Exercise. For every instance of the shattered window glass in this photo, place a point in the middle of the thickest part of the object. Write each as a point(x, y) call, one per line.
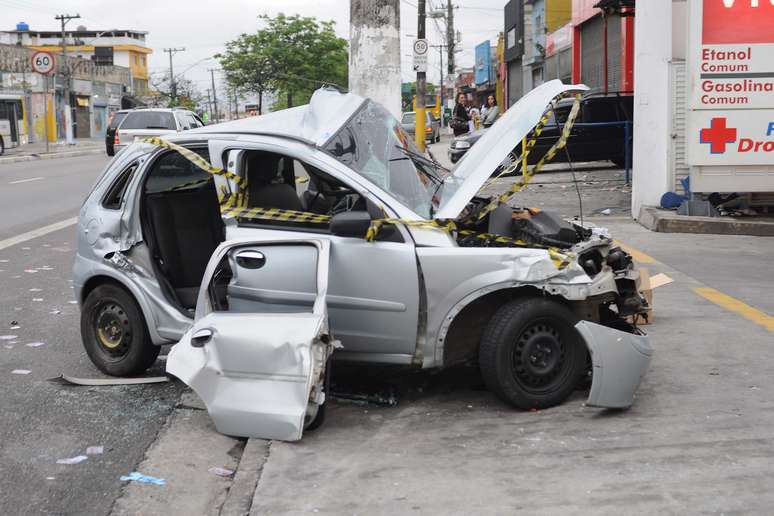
point(374, 145)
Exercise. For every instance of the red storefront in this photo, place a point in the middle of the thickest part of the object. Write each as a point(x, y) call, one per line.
point(603, 44)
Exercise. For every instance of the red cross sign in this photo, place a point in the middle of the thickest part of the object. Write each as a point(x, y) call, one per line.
point(717, 135)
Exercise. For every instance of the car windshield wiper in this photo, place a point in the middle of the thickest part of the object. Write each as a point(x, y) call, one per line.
point(425, 160)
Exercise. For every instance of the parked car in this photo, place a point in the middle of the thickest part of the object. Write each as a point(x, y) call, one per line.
point(588, 141)
point(260, 271)
point(110, 133)
point(432, 127)
point(144, 122)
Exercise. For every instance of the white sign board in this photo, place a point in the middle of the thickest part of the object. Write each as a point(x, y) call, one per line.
point(731, 70)
point(420, 55)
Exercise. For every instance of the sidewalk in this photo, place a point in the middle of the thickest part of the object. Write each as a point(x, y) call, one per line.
point(37, 150)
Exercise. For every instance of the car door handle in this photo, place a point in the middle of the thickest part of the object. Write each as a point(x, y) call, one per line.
point(201, 337)
point(251, 259)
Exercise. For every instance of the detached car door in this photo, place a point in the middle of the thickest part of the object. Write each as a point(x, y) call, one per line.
point(257, 361)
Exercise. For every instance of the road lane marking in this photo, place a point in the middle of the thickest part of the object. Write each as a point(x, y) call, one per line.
point(638, 255)
point(35, 233)
point(736, 306)
point(25, 180)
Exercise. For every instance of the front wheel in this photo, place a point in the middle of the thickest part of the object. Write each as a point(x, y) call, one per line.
point(531, 356)
point(114, 333)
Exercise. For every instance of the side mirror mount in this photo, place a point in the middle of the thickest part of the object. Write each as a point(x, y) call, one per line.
point(350, 224)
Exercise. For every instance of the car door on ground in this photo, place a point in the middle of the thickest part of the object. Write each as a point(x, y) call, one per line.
point(373, 293)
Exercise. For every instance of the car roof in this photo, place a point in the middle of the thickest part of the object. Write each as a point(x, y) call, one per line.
point(313, 123)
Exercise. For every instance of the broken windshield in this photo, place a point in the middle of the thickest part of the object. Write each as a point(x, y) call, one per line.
point(374, 145)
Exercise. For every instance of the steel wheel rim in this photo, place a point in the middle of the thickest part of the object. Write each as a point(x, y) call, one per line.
point(112, 329)
point(539, 358)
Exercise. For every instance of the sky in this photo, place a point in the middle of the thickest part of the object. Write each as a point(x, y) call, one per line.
point(203, 27)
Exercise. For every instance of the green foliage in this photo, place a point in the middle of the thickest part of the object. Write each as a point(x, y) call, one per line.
point(291, 55)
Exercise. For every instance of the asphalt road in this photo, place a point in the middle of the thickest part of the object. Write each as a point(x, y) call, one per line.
point(41, 421)
point(37, 193)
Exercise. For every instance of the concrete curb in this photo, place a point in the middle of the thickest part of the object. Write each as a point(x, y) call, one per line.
point(239, 499)
point(51, 155)
point(664, 221)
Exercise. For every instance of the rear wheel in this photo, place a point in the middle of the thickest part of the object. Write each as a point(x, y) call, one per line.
point(531, 356)
point(114, 332)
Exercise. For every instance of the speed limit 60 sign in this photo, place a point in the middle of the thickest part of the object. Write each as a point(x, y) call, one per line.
point(43, 62)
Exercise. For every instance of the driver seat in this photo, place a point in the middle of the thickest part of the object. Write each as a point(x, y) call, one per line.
point(266, 187)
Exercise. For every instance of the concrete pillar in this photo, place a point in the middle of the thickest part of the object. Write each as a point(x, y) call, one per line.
point(652, 114)
point(374, 52)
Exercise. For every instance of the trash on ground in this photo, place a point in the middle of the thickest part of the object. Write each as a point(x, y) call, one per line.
point(72, 460)
point(647, 285)
point(36, 290)
point(21, 371)
point(139, 477)
point(35, 344)
point(71, 380)
point(55, 312)
point(95, 450)
point(7, 337)
point(30, 271)
point(221, 472)
point(37, 299)
point(606, 211)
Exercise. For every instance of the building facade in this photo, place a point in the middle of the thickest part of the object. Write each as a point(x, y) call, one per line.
point(125, 48)
point(32, 101)
point(603, 45)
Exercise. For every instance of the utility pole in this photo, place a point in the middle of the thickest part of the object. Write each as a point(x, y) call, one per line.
point(68, 114)
point(440, 54)
point(419, 129)
point(374, 52)
point(450, 36)
point(172, 81)
point(214, 96)
point(209, 105)
point(236, 105)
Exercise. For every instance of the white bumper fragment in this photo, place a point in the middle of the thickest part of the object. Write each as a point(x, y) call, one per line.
point(619, 359)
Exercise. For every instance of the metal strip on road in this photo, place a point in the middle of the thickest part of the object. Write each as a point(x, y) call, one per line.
point(35, 233)
point(736, 306)
point(25, 180)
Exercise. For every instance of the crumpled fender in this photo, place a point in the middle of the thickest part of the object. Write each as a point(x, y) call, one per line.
point(619, 359)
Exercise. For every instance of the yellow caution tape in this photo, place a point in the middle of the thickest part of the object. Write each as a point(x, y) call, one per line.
point(235, 204)
point(527, 175)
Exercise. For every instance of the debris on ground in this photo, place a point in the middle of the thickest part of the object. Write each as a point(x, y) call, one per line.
point(72, 460)
point(8, 337)
point(35, 344)
point(606, 211)
point(387, 399)
point(95, 450)
point(71, 380)
point(139, 477)
point(21, 371)
point(221, 472)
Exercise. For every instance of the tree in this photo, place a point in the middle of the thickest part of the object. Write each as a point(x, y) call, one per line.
point(291, 55)
point(188, 96)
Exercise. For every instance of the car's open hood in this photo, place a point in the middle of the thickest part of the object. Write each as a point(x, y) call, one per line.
point(493, 147)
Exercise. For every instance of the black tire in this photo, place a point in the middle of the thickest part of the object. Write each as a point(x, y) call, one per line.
point(114, 333)
point(531, 356)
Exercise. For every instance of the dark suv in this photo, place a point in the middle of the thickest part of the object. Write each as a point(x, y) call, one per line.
point(590, 140)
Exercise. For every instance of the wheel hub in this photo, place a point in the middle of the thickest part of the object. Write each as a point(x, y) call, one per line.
point(538, 355)
point(113, 329)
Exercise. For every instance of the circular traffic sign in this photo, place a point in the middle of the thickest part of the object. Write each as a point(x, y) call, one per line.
point(43, 62)
point(420, 46)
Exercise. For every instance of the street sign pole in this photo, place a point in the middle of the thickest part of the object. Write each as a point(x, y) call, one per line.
point(44, 64)
point(420, 66)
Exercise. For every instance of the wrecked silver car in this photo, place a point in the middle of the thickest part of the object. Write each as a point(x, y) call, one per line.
point(262, 244)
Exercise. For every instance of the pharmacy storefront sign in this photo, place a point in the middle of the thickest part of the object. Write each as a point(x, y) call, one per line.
point(731, 101)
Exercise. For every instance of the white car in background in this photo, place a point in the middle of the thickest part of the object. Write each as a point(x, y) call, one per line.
point(144, 122)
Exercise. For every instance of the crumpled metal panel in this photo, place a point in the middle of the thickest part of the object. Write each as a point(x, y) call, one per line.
point(258, 373)
point(619, 359)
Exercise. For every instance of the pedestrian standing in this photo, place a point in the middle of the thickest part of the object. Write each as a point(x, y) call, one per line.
point(460, 118)
point(492, 111)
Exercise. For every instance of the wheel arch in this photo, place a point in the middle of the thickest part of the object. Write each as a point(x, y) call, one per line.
point(460, 334)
